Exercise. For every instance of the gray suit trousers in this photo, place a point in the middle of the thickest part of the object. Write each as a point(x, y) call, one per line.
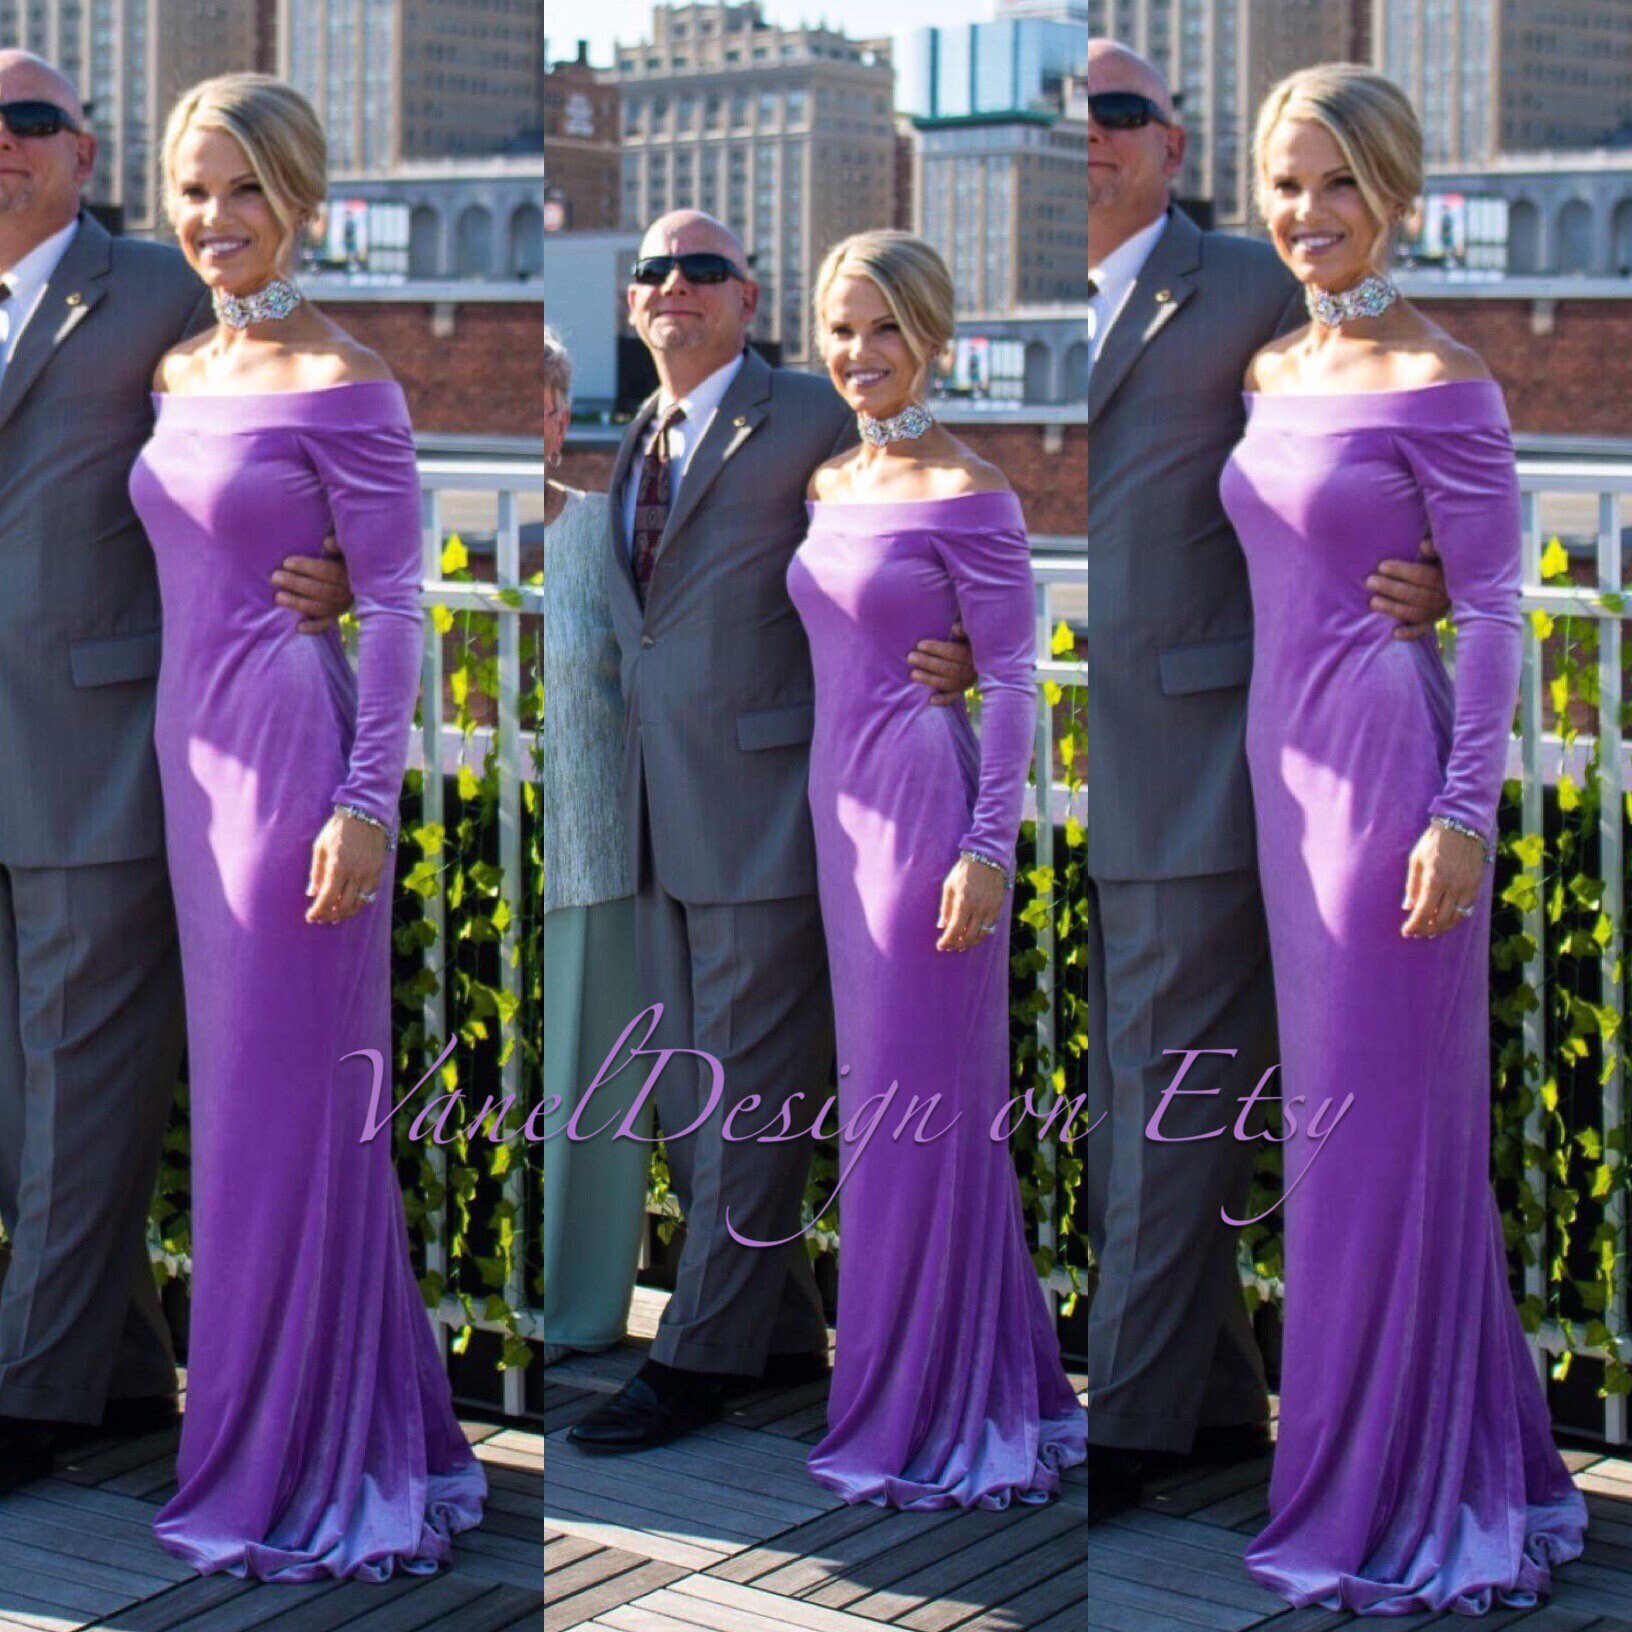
point(91, 1027)
point(1175, 963)
point(748, 984)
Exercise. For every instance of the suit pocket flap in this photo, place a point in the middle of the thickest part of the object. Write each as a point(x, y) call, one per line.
point(120, 657)
point(1212, 667)
point(775, 727)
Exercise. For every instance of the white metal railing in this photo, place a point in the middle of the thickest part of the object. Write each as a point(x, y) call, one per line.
point(1057, 579)
point(509, 486)
point(1580, 501)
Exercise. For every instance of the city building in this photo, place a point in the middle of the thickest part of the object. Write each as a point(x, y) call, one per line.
point(582, 164)
point(1221, 57)
point(1018, 59)
point(786, 134)
point(440, 219)
point(130, 60)
point(1492, 77)
point(397, 80)
point(1000, 164)
point(1004, 197)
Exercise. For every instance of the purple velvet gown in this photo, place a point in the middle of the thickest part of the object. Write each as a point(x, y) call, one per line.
point(1415, 1468)
point(319, 1438)
point(947, 1387)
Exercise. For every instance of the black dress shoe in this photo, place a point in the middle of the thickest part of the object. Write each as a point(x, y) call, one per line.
point(26, 1448)
point(1115, 1481)
point(144, 1414)
point(781, 1371)
point(1225, 1444)
point(656, 1406)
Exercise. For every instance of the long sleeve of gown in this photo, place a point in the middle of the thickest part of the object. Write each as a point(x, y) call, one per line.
point(371, 480)
point(991, 574)
point(1470, 486)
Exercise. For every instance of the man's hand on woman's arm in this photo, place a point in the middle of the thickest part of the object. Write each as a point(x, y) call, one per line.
point(943, 666)
point(1412, 591)
point(316, 587)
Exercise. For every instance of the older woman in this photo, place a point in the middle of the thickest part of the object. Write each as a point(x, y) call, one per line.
point(594, 1186)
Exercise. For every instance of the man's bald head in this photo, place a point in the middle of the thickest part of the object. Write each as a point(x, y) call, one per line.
point(24, 75)
point(1131, 166)
point(1113, 66)
point(691, 232)
point(41, 177)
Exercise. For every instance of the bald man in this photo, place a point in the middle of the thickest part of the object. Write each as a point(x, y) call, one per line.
point(90, 994)
point(1178, 951)
point(708, 506)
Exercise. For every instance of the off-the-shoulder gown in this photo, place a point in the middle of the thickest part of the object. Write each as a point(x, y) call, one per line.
point(947, 1387)
point(319, 1437)
point(1415, 1468)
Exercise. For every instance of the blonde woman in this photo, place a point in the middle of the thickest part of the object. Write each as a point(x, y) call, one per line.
point(319, 1438)
point(594, 1185)
point(1415, 1469)
point(947, 1389)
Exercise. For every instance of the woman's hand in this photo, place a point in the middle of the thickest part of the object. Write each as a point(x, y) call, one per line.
point(1445, 872)
point(348, 859)
point(973, 901)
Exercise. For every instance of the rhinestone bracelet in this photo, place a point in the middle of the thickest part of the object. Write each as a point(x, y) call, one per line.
point(1452, 825)
point(370, 821)
point(996, 866)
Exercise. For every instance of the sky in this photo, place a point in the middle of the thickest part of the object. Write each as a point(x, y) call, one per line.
point(602, 22)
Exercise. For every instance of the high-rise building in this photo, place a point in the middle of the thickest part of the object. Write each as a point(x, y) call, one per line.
point(1000, 181)
point(1491, 77)
point(417, 79)
point(130, 60)
point(1221, 57)
point(1018, 59)
point(785, 134)
point(582, 169)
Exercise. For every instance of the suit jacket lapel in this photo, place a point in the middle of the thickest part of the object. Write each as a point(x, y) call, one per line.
point(1165, 283)
point(75, 287)
point(617, 535)
point(741, 411)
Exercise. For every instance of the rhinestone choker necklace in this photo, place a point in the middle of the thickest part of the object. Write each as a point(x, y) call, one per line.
point(267, 304)
point(911, 422)
point(1370, 297)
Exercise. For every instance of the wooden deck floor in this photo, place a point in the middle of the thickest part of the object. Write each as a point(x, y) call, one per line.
point(726, 1532)
point(77, 1551)
point(1174, 1565)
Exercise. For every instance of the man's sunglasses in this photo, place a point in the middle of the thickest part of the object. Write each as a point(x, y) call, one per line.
point(1124, 110)
point(36, 118)
point(700, 268)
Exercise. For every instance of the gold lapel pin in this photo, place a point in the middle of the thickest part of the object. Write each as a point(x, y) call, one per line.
point(1163, 296)
point(75, 300)
point(740, 421)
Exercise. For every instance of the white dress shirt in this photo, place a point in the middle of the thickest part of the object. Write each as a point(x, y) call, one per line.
point(700, 405)
point(27, 281)
point(1114, 278)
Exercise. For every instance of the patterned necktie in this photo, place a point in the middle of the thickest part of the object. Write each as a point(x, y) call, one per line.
point(652, 499)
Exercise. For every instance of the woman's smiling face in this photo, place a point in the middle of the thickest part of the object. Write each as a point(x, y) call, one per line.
point(1318, 218)
point(867, 356)
point(226, 225)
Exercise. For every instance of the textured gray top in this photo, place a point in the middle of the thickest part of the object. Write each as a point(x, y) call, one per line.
point(585, 857)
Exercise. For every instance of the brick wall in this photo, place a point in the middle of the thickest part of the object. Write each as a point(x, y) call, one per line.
point(1577, 380)
point(483, 379)
point(1048, 466)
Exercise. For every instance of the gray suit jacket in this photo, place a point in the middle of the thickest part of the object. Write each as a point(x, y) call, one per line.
point(79, 616)
point(716, 670)
point(1169, 614)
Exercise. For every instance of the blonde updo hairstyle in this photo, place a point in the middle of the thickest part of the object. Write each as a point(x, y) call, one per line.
point(279, 132)
point(915, 284)
point(1375, 128)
